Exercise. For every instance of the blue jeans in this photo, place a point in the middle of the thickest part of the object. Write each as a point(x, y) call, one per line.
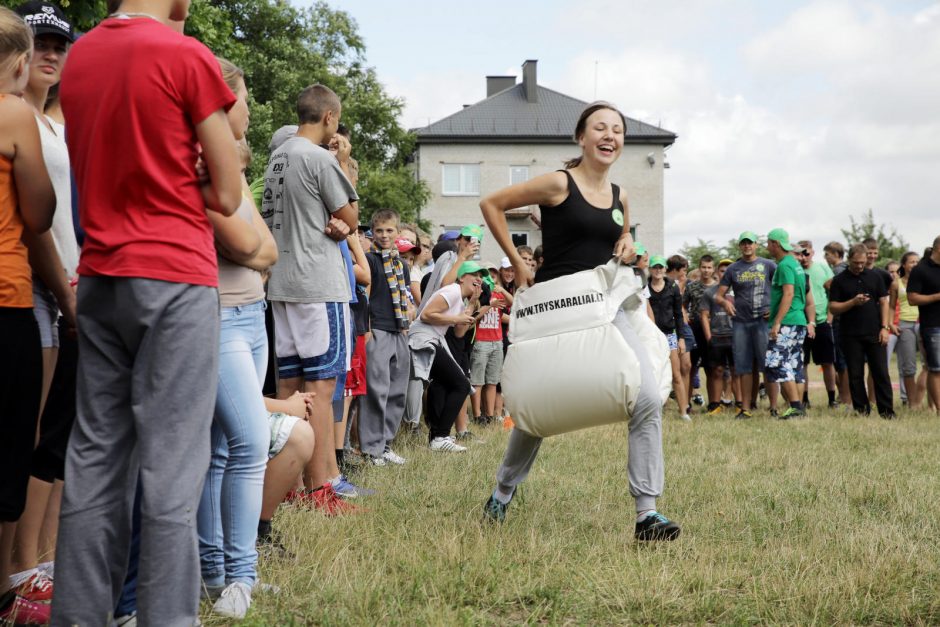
point(749, 343)
point(231, 498)
point(931, 337)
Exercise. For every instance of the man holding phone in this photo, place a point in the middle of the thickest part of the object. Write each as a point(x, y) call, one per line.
point(860, 297)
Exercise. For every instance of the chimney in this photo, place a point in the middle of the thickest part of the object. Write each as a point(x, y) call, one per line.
point(496, 84)
point(529, 85)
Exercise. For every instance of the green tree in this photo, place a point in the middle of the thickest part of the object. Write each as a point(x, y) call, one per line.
point(693, 252)
point(283, 49)
point(890, 244)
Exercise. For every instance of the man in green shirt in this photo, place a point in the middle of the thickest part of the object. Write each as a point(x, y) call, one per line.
point(821, 347)
point(789, 324)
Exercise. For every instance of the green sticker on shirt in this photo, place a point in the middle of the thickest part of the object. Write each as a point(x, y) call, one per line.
point(617, 215)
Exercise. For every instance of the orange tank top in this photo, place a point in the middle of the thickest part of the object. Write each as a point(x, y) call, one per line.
point(16, 284)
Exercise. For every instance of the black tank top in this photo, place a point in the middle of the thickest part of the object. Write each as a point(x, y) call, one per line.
point(576, 235)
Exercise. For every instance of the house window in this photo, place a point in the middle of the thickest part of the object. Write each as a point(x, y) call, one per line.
point(461, 179)
point(519, 238)
point(518, 174)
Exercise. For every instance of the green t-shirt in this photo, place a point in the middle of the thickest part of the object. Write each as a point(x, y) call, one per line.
point(789, 272)
point(819, 273)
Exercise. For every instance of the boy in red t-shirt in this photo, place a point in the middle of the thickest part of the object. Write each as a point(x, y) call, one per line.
point(486, 359)
point(140, 100)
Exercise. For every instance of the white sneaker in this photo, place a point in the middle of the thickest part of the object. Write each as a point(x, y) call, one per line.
point(265, 588)
point(393, 457)
point(447, 445)
point(234, 602)
point(685, 417)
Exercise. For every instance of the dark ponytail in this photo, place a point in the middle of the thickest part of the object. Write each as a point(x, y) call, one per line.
point(582, 125)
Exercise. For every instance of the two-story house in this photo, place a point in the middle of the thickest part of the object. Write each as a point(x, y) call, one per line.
point(522, 130)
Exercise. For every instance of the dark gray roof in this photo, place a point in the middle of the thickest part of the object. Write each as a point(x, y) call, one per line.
point(508, 117)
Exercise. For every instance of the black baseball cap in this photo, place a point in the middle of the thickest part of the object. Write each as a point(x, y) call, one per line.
point(46, 18)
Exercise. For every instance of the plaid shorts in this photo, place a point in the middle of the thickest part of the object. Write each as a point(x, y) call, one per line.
point(784, 360)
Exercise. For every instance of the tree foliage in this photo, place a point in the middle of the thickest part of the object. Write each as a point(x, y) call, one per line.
point(694, 252)
point(283, 49)
point(890, 244)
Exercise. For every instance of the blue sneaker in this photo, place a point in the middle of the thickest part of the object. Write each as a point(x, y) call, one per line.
point(347, 490)
point(494, 511)
point(656, 527)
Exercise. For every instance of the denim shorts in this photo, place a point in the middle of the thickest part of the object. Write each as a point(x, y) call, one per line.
point(785, 354)
point(749, 343)
point(689, 336)
point(673, 340)
point(931, 337)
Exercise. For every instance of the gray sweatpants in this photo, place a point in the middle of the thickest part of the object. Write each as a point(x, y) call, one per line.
point(414, 399)
point(147, 378)
point(388, 365)
point(645, 442)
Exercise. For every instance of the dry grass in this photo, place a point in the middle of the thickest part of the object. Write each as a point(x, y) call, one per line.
point(831, 519)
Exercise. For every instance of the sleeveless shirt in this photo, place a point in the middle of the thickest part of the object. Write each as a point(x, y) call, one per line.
point(16, 285)
point(576, 235)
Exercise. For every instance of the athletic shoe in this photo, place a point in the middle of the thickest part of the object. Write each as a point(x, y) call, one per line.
point(792, 412)
point(494, 511)
point(727, 402)
point(656, 527)
point(468, 436)
point(774, 413)
point(211, 592)
point(835, 405)
point(685, 417)
point(265, 588)
point(295, 497)
point(234, 602)
point(349, 490)
point(128, 620)
point(717, 409)
point(327, 501)
point(393, 457)
point(762, 391)
point(743, 414)
point(446, 445)
point(38, 588)
point(377, 461)
point(19, 611)
point(698, 399)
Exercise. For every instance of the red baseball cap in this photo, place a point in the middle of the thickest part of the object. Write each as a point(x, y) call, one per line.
point(404, 245)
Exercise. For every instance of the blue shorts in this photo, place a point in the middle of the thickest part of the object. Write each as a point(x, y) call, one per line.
point(749, 344)
point(311, 340)
point(785, 355)
point(931, 337)
point(689, 337)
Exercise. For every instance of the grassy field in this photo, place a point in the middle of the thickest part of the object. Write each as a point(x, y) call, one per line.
point(832, 519)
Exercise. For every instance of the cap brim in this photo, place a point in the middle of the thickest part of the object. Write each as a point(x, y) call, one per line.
point(51, 30)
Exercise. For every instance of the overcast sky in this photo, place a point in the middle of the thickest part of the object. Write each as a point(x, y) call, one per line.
point(793, 114)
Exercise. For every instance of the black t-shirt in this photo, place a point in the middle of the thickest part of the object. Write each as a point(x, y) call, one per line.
point(360, 310)
point(380, 298)
point(885, 276)
point(925, 280)
point(667, 306)
point(861, 319)
point(578, 236)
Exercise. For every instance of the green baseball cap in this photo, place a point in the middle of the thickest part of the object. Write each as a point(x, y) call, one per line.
point(472, 230)
point(751, 235)
point(657, 260)
point(781, 237)
point(639, 248)
point(470, 267)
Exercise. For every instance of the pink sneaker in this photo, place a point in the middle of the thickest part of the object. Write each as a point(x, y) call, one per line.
point(37, 588)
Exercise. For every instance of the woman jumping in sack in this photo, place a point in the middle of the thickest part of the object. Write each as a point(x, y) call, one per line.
point(585, 220)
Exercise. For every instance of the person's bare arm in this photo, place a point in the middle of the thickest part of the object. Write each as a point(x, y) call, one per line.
point(221, 192)
point(623, 249)
point(20, 142)
point(44, 259)
point(434, 313)
point(916, 298)
point(810, 310)
point(267, 252)
point(840, 307)
point(722, 301)
point(706, 318)
point(360, 264)
point(237, 240)
point(885, 320)
point(548, 189)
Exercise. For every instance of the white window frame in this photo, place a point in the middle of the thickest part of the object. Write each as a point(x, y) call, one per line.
point(462, 177)
point(518, 167)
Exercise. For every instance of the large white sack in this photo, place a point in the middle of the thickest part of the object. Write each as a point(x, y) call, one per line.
point(569, 367)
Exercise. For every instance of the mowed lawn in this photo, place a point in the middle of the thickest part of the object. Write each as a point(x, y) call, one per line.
point(832, 519)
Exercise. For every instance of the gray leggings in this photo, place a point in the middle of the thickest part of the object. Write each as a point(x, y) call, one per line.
point(645, 440)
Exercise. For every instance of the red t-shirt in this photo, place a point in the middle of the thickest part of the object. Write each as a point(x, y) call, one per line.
point(489, 328)
point(132, 93)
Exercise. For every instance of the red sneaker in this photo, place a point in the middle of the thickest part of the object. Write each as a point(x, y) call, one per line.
point(295, 496)
point(37, 588)
point(327, 501)
point(23, 612)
